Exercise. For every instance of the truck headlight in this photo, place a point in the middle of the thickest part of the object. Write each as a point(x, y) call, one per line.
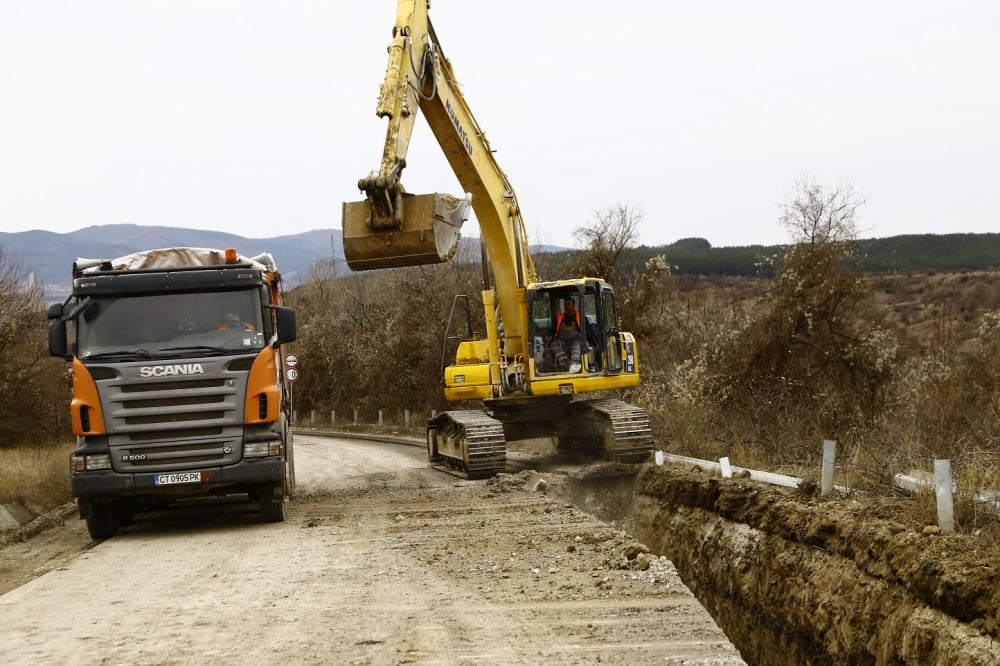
point(262, 449)
point(94, 462)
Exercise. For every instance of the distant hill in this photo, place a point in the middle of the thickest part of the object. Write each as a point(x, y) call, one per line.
point(50, 256)
point(924, 252)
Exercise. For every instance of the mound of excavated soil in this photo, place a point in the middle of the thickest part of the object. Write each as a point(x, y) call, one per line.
point(795, 578)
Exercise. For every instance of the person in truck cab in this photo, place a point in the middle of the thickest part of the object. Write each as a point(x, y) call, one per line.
point(232, 322)
point(566, 337)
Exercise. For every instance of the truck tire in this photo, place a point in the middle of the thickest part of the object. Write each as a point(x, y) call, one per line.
point(102, 523)
point(274, 504)
point(125, 513)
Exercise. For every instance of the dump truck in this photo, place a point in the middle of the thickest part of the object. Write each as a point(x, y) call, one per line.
point(179, 382)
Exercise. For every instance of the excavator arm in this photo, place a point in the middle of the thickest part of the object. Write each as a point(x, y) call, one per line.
point(393, 228)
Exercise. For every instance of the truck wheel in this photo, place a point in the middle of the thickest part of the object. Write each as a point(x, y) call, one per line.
point(274, 504)
point(125, 512)
point(102, 523)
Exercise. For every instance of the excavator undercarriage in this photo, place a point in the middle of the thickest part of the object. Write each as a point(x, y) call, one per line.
point(473, 444)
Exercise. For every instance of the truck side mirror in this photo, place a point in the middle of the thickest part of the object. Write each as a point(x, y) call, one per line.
point(285, 319)
point(57, 338)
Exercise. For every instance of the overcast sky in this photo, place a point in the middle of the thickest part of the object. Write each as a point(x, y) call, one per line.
point(257, 118)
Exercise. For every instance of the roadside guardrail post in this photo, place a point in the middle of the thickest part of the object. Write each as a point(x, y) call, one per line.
point(829, 464)
point(945, 498)
point(727, 469)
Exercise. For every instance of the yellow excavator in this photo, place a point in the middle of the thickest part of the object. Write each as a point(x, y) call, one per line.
point(530, 384)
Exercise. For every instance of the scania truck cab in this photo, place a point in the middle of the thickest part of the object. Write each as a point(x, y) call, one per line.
point(179, 385)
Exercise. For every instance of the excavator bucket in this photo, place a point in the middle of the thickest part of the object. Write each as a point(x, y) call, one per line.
point(428, 234)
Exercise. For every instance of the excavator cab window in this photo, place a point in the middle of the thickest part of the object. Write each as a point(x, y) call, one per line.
point(540, 321)
point(592, 349)
point(545, 306)
point(609, 336)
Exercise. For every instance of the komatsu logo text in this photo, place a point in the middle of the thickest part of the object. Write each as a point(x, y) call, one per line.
point(458, 126)
point(171, 370)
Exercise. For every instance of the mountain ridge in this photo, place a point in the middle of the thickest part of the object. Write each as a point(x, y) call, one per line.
point(49, 255)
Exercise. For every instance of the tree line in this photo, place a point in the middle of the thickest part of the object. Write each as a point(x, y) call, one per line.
point(908, 253)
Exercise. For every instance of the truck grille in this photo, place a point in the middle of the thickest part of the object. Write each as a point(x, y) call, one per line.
point(168, 424)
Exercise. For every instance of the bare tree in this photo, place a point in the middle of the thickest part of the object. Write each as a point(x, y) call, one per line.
point(373, 339)
point(810, 361)
point(605, 241)
point(35, 397)
point(817, 216)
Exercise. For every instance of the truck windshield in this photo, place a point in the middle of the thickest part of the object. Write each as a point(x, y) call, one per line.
point(170, 325)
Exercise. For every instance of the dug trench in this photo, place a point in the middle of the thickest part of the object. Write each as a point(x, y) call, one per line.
point(795, 578)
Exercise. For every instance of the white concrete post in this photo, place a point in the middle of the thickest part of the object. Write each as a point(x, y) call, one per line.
point(380, 418)
point(727, 469)
point(333, 417)
point(829, 464)
point(355, 416)
point(945, 495)
point(406, 417)
point(312, 417)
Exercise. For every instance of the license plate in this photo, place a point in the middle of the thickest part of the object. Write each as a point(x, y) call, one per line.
point(182, 477)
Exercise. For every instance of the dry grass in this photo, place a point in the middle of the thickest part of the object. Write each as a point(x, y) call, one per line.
point(35, 474)
point(926, 387)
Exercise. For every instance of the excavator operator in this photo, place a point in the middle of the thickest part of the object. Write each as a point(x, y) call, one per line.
point(566, 336)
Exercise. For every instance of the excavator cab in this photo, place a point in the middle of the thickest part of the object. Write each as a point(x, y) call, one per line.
point(601, 343)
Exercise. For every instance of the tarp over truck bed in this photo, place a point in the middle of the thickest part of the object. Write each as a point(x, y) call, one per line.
point(174, 257)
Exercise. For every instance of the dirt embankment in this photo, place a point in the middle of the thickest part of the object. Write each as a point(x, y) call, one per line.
point(797, 579)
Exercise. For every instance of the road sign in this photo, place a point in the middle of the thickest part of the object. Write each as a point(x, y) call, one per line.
point(291, 360)
point(293, 374)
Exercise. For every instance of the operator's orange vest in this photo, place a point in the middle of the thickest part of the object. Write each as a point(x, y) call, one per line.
point(559, 321)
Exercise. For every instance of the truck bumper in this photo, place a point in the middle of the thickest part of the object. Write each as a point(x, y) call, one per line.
point(214, 480)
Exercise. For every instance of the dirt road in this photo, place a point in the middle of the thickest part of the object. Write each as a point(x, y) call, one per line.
point(382, 561)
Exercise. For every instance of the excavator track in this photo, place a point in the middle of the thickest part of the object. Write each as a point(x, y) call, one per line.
point(467, 443)
point(625, 428)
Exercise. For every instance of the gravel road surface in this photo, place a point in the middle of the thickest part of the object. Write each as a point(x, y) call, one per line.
point(382, 561)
